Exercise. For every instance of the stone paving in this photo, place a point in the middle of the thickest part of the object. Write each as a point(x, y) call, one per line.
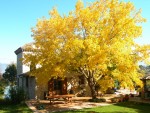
point(78, 103)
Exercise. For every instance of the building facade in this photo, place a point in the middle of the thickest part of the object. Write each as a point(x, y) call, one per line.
point(24, 81)
point(73, 83)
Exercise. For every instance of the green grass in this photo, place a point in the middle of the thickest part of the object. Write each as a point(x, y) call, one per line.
point(6, 107)
point(126, 107)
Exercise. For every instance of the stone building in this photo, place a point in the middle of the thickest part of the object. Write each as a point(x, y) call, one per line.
point(73, 81)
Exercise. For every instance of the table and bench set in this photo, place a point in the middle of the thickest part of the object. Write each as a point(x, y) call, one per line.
point(53, 97)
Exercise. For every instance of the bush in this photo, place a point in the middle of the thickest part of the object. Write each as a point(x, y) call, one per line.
point(1, 91)
point(5, 101)
point(98, 100)
point(16, 95)
point(115, 99)
point(40, 107)
point(3, 84)
point(122, 98)
point(102, 99)
point(126, 98)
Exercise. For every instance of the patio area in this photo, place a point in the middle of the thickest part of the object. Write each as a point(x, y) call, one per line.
point(44, 106)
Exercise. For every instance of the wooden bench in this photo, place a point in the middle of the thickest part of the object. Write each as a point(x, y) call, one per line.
point(67, 97)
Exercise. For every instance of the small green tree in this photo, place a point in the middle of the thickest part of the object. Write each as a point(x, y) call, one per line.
point(16, 95)
point(3, 84)
point(10, 73)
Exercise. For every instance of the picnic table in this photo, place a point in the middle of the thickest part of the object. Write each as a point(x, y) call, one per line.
point(66, 97)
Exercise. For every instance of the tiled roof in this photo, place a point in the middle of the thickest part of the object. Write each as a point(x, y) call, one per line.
point(26, 47)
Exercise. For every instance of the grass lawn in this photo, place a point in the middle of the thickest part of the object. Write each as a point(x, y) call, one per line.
point(10, 108)
point(6, 107)
point(126, 107)
point(21, 108)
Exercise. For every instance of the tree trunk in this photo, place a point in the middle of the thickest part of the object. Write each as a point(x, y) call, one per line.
point(90, 79)
point(91, 83)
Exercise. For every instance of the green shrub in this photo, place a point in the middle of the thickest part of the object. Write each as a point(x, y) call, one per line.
point(16, 95)
point(122, 98)
point(116, 99)
point(98, 100)
point(3, 84)
point(126, 98)
point(40, 107)
point(1, 91)
point(103, 99)
point(5, 101)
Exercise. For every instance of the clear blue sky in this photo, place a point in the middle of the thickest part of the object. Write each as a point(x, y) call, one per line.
point(18, 16)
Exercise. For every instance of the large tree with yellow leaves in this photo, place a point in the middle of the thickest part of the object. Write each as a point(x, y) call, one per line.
point(96, 40)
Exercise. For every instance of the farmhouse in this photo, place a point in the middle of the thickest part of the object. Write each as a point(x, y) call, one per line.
point(71, 84)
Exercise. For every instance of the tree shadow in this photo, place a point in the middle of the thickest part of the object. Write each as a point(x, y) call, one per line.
point(124, 107)
point(8, 107)
point(139, 107)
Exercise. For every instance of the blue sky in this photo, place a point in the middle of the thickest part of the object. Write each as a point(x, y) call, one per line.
point(18, 16)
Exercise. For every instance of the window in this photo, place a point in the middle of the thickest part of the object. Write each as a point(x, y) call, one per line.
point(27, 84)
point(32, 66)
point(57, 84)
point(81, 80)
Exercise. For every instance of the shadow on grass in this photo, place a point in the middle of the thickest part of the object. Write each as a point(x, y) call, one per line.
point(124, 107)
point(136, 106)
point(7, 107)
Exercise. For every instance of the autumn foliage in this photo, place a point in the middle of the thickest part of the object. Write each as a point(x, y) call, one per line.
point(96, 40)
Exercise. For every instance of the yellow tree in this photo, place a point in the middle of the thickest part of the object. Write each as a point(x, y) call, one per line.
point(96, 40)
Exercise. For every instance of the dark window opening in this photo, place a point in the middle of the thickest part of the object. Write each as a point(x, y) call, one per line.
point(32, 66)
point(81, 80)
point(57, 84)
point(27, 82)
